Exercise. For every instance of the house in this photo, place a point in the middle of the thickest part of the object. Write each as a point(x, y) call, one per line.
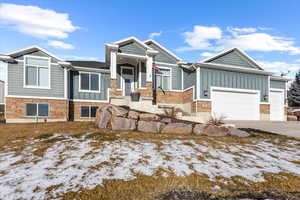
point(41, 86)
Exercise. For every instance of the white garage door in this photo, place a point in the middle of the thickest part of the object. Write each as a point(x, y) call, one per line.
point(277, 105)
point(236, 104)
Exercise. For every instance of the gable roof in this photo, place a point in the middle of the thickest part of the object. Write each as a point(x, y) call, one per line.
point(149, 41)
point(30, 49)
point(241, 53)
point(132, 39)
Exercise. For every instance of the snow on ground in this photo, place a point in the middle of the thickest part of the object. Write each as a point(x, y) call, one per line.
point(75, 163)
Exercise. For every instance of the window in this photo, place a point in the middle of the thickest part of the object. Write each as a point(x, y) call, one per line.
point(88, 111)
point(37, 109)
point(37, 72)
point(163, 79)
point(89, 82)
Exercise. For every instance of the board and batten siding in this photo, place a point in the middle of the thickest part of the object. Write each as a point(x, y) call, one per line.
point(233, 58)
point(277, 84)
point(74, 88)
point(162, 56)
point(229, 79)
point(15, 82)
point(189, 80)
point(132, 48)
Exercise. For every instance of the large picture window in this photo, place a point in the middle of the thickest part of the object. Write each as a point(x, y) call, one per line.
point(37, 109)
point(89, 82)
point(37, 72)
point(88, 111)
point(163, 79)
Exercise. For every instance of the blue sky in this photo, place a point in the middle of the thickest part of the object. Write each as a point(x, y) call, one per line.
point(268, 31)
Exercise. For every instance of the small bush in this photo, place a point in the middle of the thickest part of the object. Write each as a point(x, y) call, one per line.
point(216, 120)
point(172, 112)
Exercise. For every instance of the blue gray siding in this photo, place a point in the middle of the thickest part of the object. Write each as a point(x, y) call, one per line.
point(162, 56)
point(132, 48)
point(74, 88)
point(16, 80)
point(234, 58)
point(37, 53)
point(229, 79)
point(277, 84)
point(189, 78)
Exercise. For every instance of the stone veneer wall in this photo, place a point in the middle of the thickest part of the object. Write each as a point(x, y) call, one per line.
point(264, 112)
point(114, 88)
point(175, 97)
point(75, 110)
point(146, 92)
point(16, 109)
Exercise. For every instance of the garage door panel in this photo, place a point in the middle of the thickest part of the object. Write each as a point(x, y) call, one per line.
point(235, 105)
point(277, 105)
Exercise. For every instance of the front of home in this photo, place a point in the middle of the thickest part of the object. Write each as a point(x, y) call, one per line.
point(42, 87)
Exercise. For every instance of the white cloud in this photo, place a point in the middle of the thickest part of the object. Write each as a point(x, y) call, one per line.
point(155, 34)
point(200, 38)
point(249, 39)
point(74, 57)
point(60, 45)
point(36, 21)
point(279, 67)
point(207, 54)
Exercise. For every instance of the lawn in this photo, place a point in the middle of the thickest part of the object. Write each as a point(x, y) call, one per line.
point(74, 160)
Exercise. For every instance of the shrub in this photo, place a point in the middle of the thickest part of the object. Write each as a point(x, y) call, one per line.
point(171, 112)
point(216, 120)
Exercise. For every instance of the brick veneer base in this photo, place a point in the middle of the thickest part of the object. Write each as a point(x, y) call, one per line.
point(75, 110)
point(16, 108)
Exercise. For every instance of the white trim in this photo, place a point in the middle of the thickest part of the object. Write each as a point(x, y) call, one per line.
point(89, 91)
point(276, 90)
point(49, 72)
point(91, 101)
point(34, 97)
point(227, 51)
point(36, 56)
point(234, 90)
point(107, 71)
point(163, 48)
point(65, 83)
point(163, 63)
point(233, 68)
point(182, 82)
point(274, 78)
point(123, 80)
point(269, 86)
point(140, 76)
point(37, 110)
point(204, 99)
point(198, 82)
point(131, 55)
point(35, 47)
point(132, 38)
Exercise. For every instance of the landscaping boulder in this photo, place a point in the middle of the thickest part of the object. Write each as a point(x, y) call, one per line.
point(149, 117)
point(199, 129)
point(178, 128)
point(133, 114)
point(149, 126)
point(103, 118)
point(237, 132)
point(123, 124)
point(210, 130)
point(166, 120)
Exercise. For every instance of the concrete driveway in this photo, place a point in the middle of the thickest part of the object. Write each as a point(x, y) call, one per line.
point(290, 128)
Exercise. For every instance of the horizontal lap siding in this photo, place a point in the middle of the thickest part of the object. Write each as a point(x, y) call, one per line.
point(132, 48)
point(75, 94)
point(37, 53)
point(229, 79)
point(16, 80)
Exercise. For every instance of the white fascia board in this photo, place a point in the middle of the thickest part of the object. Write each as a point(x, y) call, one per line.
point(36, 97)
point(6, 58)
point(284, 79)
point(132, 38)
point(163, 48)
point(35, 47)
point(90, 69)
point(232, 68)
point(131, 55)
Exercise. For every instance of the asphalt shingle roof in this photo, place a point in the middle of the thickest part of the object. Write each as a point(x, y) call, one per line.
point(90, 64)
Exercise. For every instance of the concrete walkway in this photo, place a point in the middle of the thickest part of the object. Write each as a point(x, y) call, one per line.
point(290, 128)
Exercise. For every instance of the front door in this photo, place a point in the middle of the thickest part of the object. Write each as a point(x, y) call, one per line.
point(128, 80)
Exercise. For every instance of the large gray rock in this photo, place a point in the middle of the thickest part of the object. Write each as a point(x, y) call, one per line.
point(118, 111)
point(103, 118)
point(177, 128)
point(210, 130)
point(133, 114)
point(149, 117)
point(199, 129)
point(237, 132)
point(123, 124)
point(166, 120)
point(149, 126)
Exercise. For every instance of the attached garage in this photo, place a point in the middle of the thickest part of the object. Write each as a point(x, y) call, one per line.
point(277, 104)
point(235, 104)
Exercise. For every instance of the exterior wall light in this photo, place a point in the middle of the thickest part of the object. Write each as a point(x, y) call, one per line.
point(205, 93)
point(265, 97)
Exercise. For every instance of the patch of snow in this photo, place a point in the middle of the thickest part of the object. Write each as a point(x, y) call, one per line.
point(75, 163)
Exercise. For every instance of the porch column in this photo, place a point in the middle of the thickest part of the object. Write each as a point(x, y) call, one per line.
point(149, 65)
point(113, 64)
point(113, 50)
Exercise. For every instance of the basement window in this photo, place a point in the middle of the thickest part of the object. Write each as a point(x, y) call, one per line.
point(88, 111)
point(37, 109)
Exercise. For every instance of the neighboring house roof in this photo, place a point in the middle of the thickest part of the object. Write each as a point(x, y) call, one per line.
point(90, 64)
point(162, 48)
point(31, 49)
point(246, 58)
